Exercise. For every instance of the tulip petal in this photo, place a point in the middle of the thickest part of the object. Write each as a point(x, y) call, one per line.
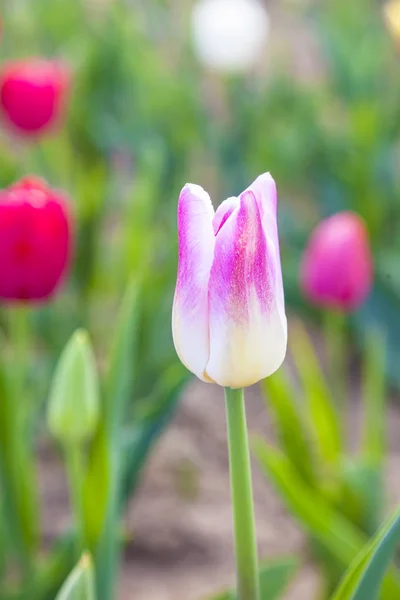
point(196, 241)
point(223, 212)
point(264, 190)
point(247, 332)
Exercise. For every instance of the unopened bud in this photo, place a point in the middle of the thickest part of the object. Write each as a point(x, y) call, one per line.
point(74, 404)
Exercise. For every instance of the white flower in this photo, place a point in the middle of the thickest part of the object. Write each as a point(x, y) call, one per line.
point(229, 35)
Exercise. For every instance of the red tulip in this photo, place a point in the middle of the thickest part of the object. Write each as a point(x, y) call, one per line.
point(337, 267)
point(35, 240)
point(32, 93)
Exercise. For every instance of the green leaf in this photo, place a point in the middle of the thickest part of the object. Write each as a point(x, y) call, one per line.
point(119, 390)
point(380, 312)
point(374, 394)
point(17, 472)
point(275, 576)
point(313, 511)
point(80, 583)
point(48, 574)
point(96, 487)
point(325, 524)
point(147, 428)
point(121, 373)
point(366, 575)
point(295, 439)
point(362, 494)
point(323, 415)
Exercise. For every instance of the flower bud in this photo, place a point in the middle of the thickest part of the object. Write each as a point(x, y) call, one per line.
point(229, 323)
point(228, 35)
point(337, 267)
point(74, 401)
point(32, 94)
point(35, 240)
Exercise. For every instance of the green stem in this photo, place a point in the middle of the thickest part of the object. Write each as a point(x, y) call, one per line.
point(337, 355)
point(19, 460)
point(74, 462)
point(242, 497)
point(374, 396)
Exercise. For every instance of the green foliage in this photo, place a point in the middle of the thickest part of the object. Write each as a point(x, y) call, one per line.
point(80, 583)
point(366, 574)
point(275, 577)
point(337, 498)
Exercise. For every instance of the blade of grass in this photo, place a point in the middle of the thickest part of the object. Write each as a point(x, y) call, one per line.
point(275, 576)
point(295, 440)
point(374, 392)
point(366, 574)
point(315, 514)
point(80, 583)
point(118, 392)
point(324, 418)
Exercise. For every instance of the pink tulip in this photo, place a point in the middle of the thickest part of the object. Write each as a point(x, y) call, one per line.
point(337, 268)
point(32, 94)
point(35, 240)
point(229, 323)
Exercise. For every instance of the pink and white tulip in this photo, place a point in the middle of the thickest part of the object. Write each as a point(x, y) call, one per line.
point(229, 323)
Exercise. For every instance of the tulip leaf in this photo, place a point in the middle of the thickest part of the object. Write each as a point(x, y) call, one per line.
point(295, 439)
point(119, 389)
point(362, 493)
point(121, 374)
point(374, 389)
point(380, 312)
point(323, 414)
point(275, 576)
point(45, 581)
point(148, 426)
point(338, 536)
point(96, 486)
point(80, 583)
point(366, 574)
point(118, 392)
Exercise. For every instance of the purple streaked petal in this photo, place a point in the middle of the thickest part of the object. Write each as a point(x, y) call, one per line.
point(247, 333)
point(196, 241)
point(265, 192)
point(223, 212)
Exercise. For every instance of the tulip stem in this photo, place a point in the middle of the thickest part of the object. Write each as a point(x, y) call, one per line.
point(337, 355)
point(73, 457)
point(242, 497)
point(18, 456)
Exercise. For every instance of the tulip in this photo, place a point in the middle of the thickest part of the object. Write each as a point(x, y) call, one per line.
point(35, 240)
point(32, 94)
point(337, 268)
point(229, 323)
point(229, 35)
